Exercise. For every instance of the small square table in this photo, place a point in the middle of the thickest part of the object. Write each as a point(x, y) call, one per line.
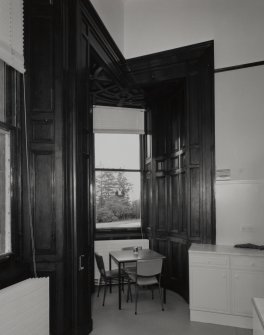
point(125, 256)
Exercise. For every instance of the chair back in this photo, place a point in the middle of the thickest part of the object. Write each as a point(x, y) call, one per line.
point(149, 268)
point(100, 264)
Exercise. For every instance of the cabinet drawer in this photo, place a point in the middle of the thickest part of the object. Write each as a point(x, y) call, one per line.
point(209, 260)
point(247, 262)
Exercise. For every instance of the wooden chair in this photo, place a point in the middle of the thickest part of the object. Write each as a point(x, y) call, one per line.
point(148, 273)
point(106, 277)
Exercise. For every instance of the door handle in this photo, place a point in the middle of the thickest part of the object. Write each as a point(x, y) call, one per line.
point(81, 266)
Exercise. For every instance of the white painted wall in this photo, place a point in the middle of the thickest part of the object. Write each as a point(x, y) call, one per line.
point(236, 26)
point(112, 14)
point(239, 134)
point(239, 106)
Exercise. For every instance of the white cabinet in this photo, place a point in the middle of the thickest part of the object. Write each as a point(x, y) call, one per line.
point(246, 285)
point(223, 281)
point(258, 316)
point(210, 289)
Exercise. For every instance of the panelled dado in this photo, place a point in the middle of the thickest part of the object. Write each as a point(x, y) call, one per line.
point(45, 123)
point(223, 281)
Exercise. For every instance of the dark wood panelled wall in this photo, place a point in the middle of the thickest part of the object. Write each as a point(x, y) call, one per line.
point(66, 45)
point(179, 154)
point(45, 113)
point(72, 63)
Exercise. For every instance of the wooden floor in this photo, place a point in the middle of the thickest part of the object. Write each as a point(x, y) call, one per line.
point(150, 320)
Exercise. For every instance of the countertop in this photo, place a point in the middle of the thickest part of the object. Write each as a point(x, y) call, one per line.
point(224, 249)
point(259, 307)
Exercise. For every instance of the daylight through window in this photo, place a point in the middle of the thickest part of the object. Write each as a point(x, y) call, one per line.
point(117, 172)
point(5, 196)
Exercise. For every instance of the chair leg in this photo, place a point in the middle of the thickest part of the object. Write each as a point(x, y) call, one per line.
point(105, 289)
point(129, 290)
point(136, 287)
point(110, 285)
point(99, 287)
point(161, 298)
point(130, 294)
point(152, 292)
point(123, 284)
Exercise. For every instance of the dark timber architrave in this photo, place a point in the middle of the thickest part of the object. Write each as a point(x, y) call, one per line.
point(169, 67)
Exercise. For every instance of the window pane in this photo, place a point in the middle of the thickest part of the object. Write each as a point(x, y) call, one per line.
point(117, 199)
point(5, 218)
point(2, 91)
point(117, 151)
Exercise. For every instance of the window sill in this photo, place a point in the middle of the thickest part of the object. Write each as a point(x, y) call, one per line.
point(5, 257)
point(118, 234)
point(12, 271)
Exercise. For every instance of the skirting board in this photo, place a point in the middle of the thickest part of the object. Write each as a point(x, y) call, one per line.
point(221, 319)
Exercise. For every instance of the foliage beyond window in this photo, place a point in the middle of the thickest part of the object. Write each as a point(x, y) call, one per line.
point(112, 198)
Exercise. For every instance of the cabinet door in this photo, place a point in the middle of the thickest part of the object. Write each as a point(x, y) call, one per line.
point(257, 325)
point(209, 289)
point(245, 286)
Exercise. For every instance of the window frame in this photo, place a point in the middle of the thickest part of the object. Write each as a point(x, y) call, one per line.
point(122, 233)
point(12, 267)
point(8, 133)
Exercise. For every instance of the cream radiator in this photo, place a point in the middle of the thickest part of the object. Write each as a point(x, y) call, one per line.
point(24, 308)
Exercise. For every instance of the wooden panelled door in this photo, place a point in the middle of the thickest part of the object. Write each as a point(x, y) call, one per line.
point(170, 174)
point(178, 195)
point(84, 181)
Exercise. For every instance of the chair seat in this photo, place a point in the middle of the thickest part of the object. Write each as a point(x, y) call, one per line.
point(130, 270)
point(114, 273)
point(130, 265)
point(143, 281)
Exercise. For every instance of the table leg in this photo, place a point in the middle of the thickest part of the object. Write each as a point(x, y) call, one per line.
point(110, 268)
point(164, 295)
point(119, 285)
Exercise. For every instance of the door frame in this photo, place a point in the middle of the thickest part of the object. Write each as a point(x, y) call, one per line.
point(172, 65)
point(195, 65)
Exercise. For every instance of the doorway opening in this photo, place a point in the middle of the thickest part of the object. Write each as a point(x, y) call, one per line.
point(175, 90)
